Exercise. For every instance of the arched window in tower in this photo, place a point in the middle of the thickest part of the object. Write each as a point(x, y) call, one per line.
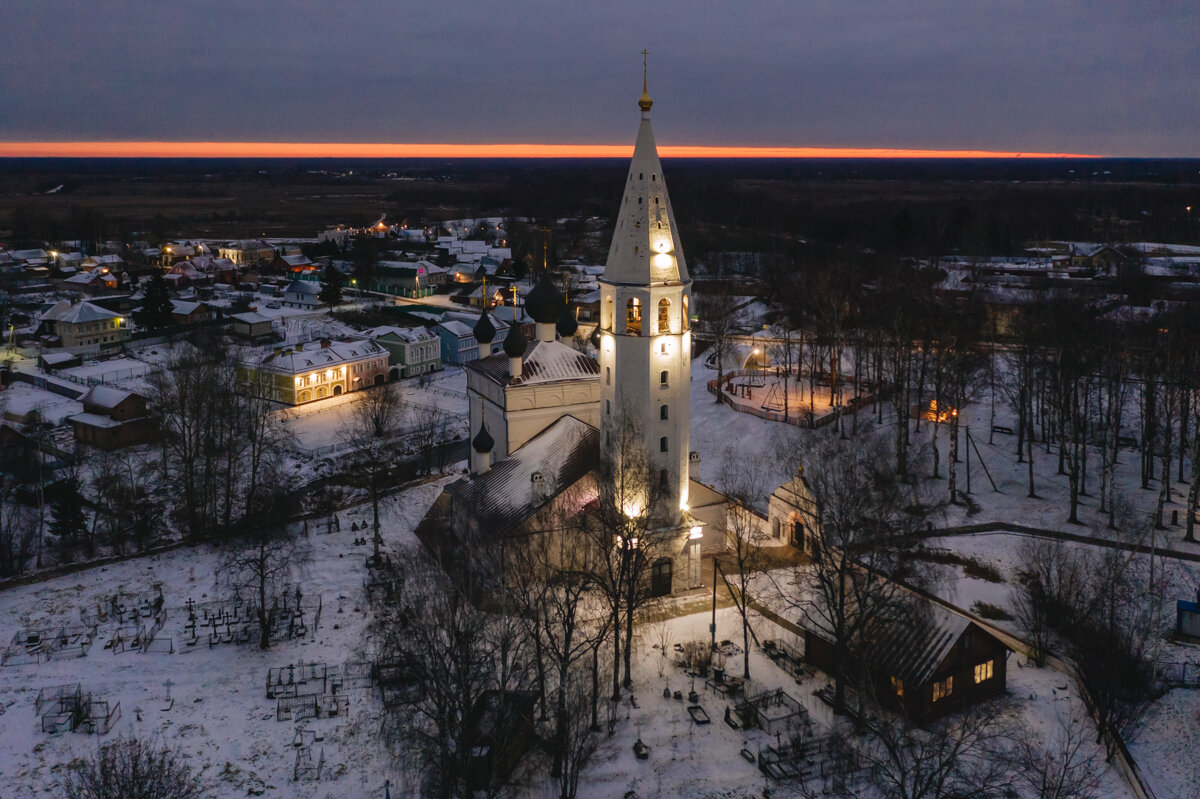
point(685, 313)
point(662, 378)
point(663, 444)
point(608, 322)
point(664, 315)
point(608, 375)
point(663, 412)
point(633, 317)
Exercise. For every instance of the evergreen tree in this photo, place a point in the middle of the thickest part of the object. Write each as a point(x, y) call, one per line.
point(69, 527)
point(156, 307)
point(331, 289)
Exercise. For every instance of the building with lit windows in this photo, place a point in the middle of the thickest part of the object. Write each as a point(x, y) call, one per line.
point(315, 370)
point(84, 327)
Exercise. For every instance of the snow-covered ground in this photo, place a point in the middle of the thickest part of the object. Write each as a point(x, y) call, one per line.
point(220, 715)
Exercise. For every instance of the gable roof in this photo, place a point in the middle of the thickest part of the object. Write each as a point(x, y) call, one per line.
point(307, 356)
point(105, 397)
point(504, 497)
point(302, 287)
point(74, 313)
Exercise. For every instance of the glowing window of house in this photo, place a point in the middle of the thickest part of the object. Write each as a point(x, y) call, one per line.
point(633, 317)
point(943, 689)
point(898, 686)
point(984, 671)
point(664, 315)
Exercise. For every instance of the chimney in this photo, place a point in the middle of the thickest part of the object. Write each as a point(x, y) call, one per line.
point(539, 485)
point(325, 343)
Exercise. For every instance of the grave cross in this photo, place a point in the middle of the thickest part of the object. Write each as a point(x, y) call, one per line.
point(168, 684)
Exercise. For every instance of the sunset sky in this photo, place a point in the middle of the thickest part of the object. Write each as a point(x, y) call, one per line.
point(1112, 78)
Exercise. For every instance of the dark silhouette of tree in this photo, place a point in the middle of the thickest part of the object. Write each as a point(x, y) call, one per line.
point(155, 312)
point(331, 287)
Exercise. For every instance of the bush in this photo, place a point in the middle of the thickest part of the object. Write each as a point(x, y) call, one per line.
point(131, 768)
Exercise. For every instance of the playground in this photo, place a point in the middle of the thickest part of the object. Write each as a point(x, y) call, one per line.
point(802, 399)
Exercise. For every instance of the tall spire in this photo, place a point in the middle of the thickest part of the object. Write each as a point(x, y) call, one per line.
point(645, 248)
point(644, 102)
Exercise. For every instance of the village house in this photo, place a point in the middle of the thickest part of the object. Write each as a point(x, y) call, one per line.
point(248, 252)
point(84, 326)
point(185, 313)
point(96, 283)
point(112, 418)
point(315, 370)
point(402, 279)
point(412, 351)
point(458, 342)
point(302, 294)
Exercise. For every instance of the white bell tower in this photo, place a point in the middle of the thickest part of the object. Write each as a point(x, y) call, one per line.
point(645, 344)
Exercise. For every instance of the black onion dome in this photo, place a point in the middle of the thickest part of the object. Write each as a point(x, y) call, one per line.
point(514, 342)
point(544, 303)
point(483, 442)
point(484, 330)
point(595, 337)
point(567, 325)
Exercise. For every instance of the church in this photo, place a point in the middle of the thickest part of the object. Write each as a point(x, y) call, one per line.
point(559, 431)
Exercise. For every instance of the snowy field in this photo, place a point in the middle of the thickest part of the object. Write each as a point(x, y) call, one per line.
point(219, 715)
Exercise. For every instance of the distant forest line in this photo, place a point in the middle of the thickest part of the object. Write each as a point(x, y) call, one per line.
point(810, 210)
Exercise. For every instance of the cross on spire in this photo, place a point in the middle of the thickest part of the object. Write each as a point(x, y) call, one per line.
point(644, 102)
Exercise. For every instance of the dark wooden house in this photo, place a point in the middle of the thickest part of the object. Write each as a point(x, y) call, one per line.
point(927, 663)
point(112, 418)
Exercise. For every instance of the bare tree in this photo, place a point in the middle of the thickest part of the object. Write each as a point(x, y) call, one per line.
point(265, 559)
point(864, 511)
point(719, 318)
point(962, 755)
point(449, 653)
point(744, 559)
point(557, 593)
point(132, 768)
point(1060, 765)
point(18, 535)
point(371, 430)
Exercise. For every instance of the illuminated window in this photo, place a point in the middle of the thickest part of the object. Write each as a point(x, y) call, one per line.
point(664, 315)
point(984, 671)
point(943, 689)
point(898, 686)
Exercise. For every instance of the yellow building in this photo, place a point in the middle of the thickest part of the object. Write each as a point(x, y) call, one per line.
point(316, 370)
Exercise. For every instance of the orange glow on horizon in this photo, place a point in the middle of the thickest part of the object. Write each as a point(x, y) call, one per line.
point(217, 149)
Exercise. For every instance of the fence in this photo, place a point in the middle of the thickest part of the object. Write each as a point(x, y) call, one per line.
point(1178, 675)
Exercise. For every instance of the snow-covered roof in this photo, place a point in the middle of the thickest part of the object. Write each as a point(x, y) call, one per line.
point(74, 313)
point(506, 495)
point(185, 308)
point(311, 355)
point(402, 333)
point(302, 287)
point(95, 420)
point(250, 318)
point(105, 397)
point(543, 362)
point(457, 328)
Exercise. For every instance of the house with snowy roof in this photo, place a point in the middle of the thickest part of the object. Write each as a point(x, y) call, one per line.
point(112, 418)
point(302, 294)
point(96, 283)
point(247, 252)
point(85, 327)
point(458, 341)
point(314, 370)
point(412, 351)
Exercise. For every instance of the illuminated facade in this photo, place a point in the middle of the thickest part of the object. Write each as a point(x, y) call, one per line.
point(316, 370)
